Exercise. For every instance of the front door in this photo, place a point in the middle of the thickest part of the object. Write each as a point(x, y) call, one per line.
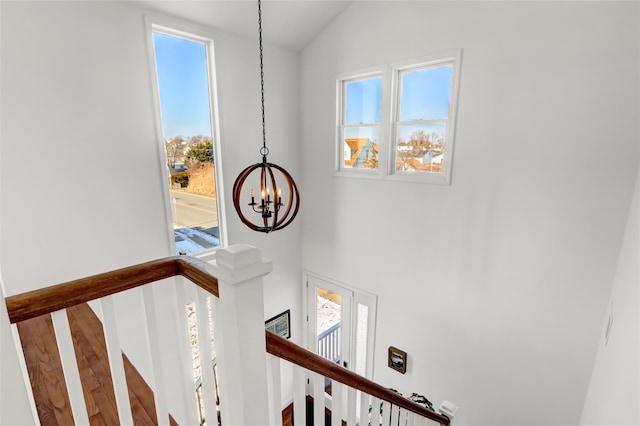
point(340, 324)
point(330, 320)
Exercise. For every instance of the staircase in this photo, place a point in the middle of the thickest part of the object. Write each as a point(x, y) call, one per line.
point(99, 385)
point(47, 378)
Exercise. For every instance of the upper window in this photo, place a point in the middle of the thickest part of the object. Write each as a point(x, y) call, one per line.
point(422, 128)
point(184, 76)
point(420, 135)
point(360, 122)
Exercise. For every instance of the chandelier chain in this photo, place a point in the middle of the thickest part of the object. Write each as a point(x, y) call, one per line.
point(264, 151)
point(278, 201)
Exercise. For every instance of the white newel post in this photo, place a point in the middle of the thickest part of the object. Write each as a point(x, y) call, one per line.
point(239, 333)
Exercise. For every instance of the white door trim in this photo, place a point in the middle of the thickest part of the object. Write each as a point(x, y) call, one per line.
point(358, 296)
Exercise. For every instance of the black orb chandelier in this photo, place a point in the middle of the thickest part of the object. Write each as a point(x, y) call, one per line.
point(279, 198)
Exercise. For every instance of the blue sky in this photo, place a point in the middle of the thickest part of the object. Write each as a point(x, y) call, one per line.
point(184, 86)
point(425, 96)
point(184, 94)
point(363, 101)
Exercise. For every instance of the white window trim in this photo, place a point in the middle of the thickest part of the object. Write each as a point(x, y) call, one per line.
point(179, 28)
point(431, 61)
point(341, 170)
point(389, 111)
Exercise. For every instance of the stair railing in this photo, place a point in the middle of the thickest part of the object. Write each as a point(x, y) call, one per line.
point(329, 343)
point(237, 272)
point(34, 303)
point(377, 404)
point(248, 377)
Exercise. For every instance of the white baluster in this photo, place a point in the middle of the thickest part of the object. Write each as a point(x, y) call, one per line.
point(206, 368)
point(337, 391)
point(364, 409)
point(274, 386)
point(317, 386)
point(395, 415)
point(351, 407)
point(417, 419)
point(190, 400)
point(70, 367)
point(375, 411)
point(403, 414)
point(386, 413)
point(114, 353)
point(155, 356)
point(326, 346)
point(299, 395)
point(410, 418)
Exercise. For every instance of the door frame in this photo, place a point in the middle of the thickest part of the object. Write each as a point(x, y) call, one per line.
point(358, 296)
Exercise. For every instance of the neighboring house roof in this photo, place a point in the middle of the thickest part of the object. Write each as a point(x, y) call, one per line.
point(357, 146)
point(355, 143)
point(415, 164)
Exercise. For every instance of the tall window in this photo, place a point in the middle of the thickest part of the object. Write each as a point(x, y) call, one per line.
point(421, 101)
point(183, 65)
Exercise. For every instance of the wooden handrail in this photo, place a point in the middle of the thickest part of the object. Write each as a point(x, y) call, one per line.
point(298, 355)
point(34, 303)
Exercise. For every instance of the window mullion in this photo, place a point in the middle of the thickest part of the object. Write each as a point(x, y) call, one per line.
point(361, 125)
point(418, 122)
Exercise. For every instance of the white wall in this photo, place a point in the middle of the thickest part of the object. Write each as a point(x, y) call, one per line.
point(81, 184)
point(79, 123)
point(500, 307)
point(14, 400)
point(78, 115)
point(613, 397)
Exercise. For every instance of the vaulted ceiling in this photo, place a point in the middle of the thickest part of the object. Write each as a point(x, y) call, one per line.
point(291, 24)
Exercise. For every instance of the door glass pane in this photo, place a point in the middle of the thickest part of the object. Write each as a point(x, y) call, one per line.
point(328, 327)
point(362, 321)
point(328, 321)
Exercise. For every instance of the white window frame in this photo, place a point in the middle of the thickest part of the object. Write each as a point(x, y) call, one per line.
point(390, 109)
point(384, 73)
point(178, 28)
point(429, 62)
